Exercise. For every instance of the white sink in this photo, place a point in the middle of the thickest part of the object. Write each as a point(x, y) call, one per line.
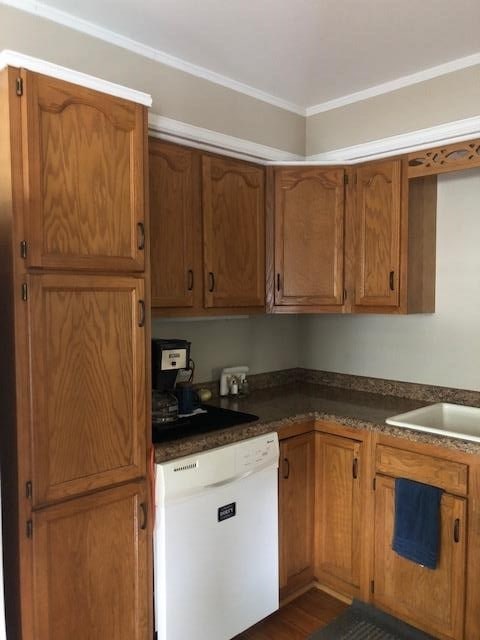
point(446, 419)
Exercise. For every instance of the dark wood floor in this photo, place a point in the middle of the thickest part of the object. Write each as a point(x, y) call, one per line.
point(298, 619)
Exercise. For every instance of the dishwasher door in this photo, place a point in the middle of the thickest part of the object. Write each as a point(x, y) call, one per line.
point(216, 558)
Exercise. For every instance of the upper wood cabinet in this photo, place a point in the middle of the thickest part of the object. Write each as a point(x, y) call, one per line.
point(432, 600)
point(392, 229)
point(175, 224)
point(296, 504)
point(309, 221)
point(90, 567)
point(87, 345)
point(338, 507)
point(84, 167)
point(350, 240)
point(233, 232)
point(378, 213)
point(207, 218)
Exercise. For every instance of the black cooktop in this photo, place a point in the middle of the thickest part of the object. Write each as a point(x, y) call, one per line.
point(215, 418)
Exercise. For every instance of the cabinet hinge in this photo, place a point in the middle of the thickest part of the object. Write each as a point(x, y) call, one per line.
point(372, 586)
point(345, 179)
point(24, 291)
point(344, 295)
point(28, 489)
point(374, 484)
point(19, 86)
point(23, 249)
point(29, 529)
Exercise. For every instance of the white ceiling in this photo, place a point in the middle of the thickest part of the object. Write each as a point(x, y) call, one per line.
point(304, 52)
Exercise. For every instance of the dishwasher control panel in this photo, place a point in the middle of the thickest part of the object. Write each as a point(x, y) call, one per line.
point(256, 453)
point(177, 478)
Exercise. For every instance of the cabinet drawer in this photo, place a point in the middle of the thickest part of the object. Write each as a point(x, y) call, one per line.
point(450, 476)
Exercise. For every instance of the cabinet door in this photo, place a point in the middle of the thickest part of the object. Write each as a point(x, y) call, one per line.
point(430, 599)
point(338, 511)
point(233, 233)
point(378, 213)
point(90, 567)
point(174, 221)
point(87, 383)
point(85, 196)
point(309, 236)
point(296, 496)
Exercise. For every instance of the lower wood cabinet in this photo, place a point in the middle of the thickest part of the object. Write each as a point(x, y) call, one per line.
point(338, 508)
point(432, 600)
point(89, 567)
point(296, 502)
point(337, 514)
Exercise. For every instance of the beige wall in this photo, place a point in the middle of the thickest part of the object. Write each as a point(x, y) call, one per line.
point(444, 99)
point(441, 348)
point(264, 343)
point(176, 94)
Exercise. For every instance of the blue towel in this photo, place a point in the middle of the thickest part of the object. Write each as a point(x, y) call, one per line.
point(416, 533)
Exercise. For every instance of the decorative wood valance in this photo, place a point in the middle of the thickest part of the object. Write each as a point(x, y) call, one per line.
point(450, 157)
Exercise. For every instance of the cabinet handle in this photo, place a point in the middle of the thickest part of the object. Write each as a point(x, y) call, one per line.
point(286, 463)
point(456, 530)
point(211, 277)
point(141, 313)
point(143, 509)
point(190, 280)
point(392, 280)
point(141, 236)
point(278, 282)
point(355, 468)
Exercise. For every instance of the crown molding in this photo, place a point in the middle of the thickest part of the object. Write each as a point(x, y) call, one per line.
point(451, 132)
point(84, 26)
point(15, 59)
point(191, 135)
point(393, 85)
point(208, 140)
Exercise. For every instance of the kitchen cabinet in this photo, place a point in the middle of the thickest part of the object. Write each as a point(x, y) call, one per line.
point(338, 511)
point(74, 378)
point(86, 585)
point(392, 228)
point(296, 503)
point(350, 239)
point(175, 225)
point(207, 216)
point(432, 600)
point(84, 177)
point(88, 345)
point(309, 227)
point(378, 211)
point(233, 232)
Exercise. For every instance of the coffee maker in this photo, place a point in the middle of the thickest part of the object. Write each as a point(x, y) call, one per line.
point(169, 358)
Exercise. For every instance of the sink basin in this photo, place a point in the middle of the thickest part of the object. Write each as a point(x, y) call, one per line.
point(443, 418)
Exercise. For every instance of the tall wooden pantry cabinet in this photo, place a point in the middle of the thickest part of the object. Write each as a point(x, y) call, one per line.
point(75, 347)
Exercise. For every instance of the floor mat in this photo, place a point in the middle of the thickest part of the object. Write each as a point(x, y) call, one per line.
point(363, 622)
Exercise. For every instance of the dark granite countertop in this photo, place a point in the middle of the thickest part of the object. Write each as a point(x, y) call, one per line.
point(277, 407)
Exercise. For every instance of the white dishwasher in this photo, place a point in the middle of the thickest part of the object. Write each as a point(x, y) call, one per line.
point(216, 541)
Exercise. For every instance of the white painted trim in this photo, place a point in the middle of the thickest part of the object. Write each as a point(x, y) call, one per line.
point(191, 135)
point(182, 132)
point(393, 85)
point(448, 133)
point(15, 59)
point(89, 28)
